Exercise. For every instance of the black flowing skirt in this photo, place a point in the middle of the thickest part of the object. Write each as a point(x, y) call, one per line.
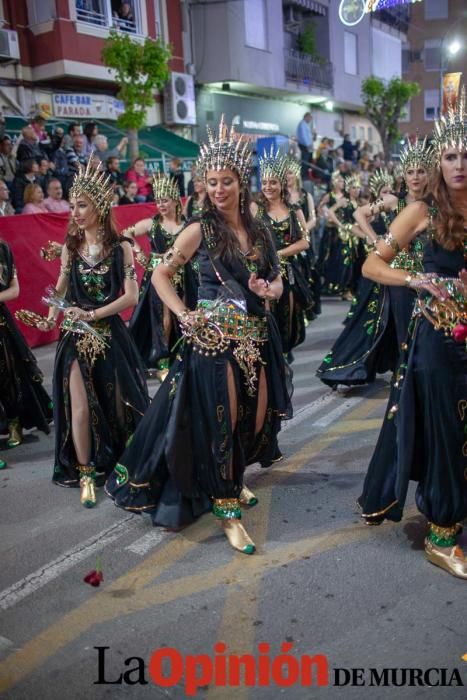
point(289, 310)
point(370, 344)
point(424, 434)
point(331, 262)
point(184, 452)
point(146, 325)
point(22, 395)
point(117, 398)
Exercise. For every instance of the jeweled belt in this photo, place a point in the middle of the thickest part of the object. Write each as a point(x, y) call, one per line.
point(444, 314)
point(220, 326)
point(90, 345)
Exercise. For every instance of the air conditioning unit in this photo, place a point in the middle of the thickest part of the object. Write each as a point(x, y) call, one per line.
point(9, 46)
point(179, 99)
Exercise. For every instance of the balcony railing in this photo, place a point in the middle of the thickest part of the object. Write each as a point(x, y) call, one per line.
point(307, 70)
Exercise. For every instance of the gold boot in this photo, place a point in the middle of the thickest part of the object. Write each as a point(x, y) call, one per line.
point(441, 550)
point(247, 497)
point(15, 433)
point(228, 510)
point(87, 485)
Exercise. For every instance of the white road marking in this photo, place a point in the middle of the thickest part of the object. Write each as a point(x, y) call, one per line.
point(148, 541)
point(337, 412)
point(312, 408)
point(39, 578)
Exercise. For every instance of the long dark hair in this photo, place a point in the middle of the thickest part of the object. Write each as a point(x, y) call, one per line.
point(226, 240)
point(449, 223)
point(75, 235)
point(285, 197)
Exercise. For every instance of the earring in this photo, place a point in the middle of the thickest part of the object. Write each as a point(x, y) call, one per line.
point(242, 201)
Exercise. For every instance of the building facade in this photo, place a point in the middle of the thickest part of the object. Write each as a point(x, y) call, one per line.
point(50, 54)
point(436, 45)
point(264, 63)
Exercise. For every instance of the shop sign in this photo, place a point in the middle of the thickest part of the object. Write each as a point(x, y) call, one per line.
point(85, 106)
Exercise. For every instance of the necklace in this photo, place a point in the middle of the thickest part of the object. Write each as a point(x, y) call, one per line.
point(93, 251)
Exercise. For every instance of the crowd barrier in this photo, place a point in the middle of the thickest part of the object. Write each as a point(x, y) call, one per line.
point(26, 234)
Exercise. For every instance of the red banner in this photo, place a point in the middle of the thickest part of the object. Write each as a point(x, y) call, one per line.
point(27, 234)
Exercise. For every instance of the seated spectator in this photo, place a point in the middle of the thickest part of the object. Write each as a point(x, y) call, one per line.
point(46, 173)
point(116, 177)
point(76, 154)
point(54, 201)
point(59, 157)
point(138, 173)
point(29, 146)
point(26, 174)
point(175, 171)
point(102, 148)
point(5, 207)
point(34, 200)
point(7, 160)
point(90, 132)
point(74, 129)
point(38, 124)
point(131, 192)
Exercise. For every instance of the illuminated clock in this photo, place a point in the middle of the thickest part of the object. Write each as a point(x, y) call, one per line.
point(352, 12)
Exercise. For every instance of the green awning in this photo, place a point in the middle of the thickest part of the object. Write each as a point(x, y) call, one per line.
point(168, 142)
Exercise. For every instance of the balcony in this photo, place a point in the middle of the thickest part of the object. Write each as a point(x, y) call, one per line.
point(304, 69)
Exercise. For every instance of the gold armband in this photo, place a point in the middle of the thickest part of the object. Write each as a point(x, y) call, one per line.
point(65, 270)
point(391, 242)
point(129, 272)
point(168, 258)
point(376, 207)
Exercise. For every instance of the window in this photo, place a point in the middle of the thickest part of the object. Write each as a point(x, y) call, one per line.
point(436, 9)
point(432, 51)
point(370, 134)
point(431, 100)
point(124, 16)
point(350, 53)
point(255, 24)
point(353, 133)
point(405, 58)
point(361, 133)
point(41, 11)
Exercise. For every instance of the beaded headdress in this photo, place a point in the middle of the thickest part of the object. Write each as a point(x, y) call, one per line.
point(273, 165)
point(380, 178)
point(95, 185)
point(451, 128)
point(225, 151)
point(294, 166)
point(165, 187)
point(417, 155)
point(352, 181)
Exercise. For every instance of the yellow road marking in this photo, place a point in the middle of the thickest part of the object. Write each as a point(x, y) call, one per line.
point(106, 604)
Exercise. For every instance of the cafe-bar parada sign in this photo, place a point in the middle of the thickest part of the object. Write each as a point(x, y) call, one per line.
point(82, 105)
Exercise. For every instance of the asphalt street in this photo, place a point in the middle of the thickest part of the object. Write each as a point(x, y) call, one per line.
point(363, 597)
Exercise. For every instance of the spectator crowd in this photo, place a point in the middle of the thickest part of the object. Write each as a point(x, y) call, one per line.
point(37, 169)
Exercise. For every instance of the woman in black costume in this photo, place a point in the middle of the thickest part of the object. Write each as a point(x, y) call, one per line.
point(301, 199)
point(424, 432)
point(330, 261)
point(195, 203)
point(99, 386)
point(154, 328)
point(349, 262)
point(377, 323)
point(24, 403)
point(288, 229)
point(221, 406)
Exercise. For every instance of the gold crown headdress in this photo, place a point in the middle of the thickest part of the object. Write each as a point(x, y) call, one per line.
point(352, 181)
point(294, 166)
point(380, 178)
point(95, 185)
point(165, 187)
point(451, 129)
point(273, 165)
point(225, 151)
point(416, 155)
point(335, 175)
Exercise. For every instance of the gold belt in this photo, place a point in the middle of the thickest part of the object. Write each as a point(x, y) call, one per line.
point(89, 346)
point(233, 324)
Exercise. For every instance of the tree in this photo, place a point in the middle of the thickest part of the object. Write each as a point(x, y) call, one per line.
point(384, 105)
point(140, 69)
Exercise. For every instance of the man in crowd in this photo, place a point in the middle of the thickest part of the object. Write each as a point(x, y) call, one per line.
point(7, 161)
point(74, 129)
point(116, 177)
point(5, 207)
point(104, 152)
point(348, 148)
point(29, 146)
point(26, 174)
point(175, 170)
point(54, 200)
point(305, 142)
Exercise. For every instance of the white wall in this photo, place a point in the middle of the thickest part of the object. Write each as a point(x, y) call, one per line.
point(386, 55)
